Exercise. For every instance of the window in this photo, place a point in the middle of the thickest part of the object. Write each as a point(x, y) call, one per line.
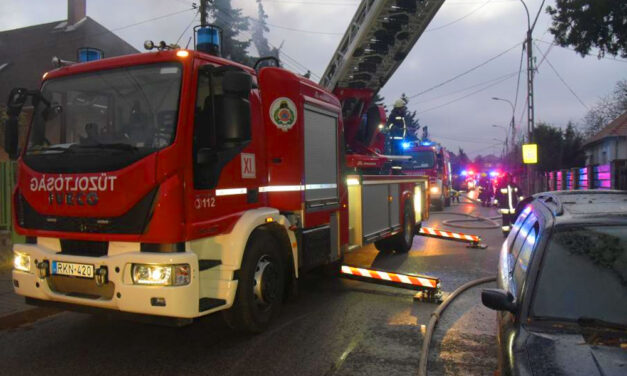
point(584, 275)
point(524, 257)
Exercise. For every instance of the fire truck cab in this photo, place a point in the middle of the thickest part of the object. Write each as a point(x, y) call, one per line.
point(174, 184)
point(431, 160)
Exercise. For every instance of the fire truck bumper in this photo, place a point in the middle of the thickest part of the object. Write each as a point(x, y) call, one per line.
point(108, 281)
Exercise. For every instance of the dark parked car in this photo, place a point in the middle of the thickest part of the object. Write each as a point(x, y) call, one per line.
point(562, 287)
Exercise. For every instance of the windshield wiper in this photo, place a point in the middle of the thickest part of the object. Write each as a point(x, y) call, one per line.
point(591, 322)
point(114, 146)
point(51, 148)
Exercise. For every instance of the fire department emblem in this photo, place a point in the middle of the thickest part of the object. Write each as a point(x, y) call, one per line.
point(283, 113)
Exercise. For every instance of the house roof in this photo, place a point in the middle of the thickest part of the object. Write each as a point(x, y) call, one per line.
point(616, 128)
point(27, 52)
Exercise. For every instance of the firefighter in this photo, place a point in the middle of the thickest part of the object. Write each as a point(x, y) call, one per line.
point(396, 127)
point(507, 197)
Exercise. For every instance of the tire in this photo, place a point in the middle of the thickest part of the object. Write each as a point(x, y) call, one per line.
point(438, 205)
point(401, 242)
point(261, 286)
point(447, 201)
point(405, 239)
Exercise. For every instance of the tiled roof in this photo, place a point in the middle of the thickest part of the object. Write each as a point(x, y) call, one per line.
point(616, 128)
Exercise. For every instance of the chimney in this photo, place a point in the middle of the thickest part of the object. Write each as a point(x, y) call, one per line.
point(76, 11)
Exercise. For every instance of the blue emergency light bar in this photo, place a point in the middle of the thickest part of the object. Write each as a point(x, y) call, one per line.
point(208, 40)
point(406, 145)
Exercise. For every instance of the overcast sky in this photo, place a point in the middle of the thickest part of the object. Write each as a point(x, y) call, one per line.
point(465, 33)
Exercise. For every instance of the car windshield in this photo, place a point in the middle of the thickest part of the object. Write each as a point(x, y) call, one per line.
point(584, 275)
point(422, 159)
point(125, 109)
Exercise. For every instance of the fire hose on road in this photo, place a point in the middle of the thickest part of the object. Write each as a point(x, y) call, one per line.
point(435, 316)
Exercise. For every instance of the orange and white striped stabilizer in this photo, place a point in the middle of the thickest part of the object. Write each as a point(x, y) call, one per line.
point(412, 282)
point(448, 235)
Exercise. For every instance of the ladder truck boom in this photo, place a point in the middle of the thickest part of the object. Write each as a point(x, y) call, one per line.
point(377, 40)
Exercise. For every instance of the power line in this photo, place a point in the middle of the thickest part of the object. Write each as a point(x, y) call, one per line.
point(465, 72)
point(563, 81)
point(106, 31)
point(588, 54)
point(294, 29)
point(461, 18)
point(187, 28)
point(468, 95)
point(467, 88)
point(294, 61)
point(522, 55)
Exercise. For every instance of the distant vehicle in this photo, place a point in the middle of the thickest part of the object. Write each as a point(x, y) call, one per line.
point(430, 159)
point(562, 283)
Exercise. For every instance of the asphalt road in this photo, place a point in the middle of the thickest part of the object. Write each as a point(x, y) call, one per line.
point(334, 327)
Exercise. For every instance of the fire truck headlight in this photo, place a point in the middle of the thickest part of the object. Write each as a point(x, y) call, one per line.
point(161, 275)
point(434, 189)
point(21, 261)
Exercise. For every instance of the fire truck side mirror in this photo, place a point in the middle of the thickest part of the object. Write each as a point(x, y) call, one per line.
point(16, 101)
point(233, 123)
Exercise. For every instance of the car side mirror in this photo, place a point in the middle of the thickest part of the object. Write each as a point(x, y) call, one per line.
point(16, 101)
point(498, 300)
point(233, 116)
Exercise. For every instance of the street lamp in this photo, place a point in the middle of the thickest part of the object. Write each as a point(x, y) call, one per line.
point(511, 121)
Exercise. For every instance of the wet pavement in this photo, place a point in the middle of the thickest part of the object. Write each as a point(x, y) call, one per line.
point(334, 327)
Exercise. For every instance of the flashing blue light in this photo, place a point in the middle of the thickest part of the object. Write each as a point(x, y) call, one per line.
point(464, 173)
point(209, 40)
point(427, 143)
point(494, 174)
point(89, 54)
point(406, 145)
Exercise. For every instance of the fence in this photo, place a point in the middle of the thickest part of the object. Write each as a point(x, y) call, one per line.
point(8, 178)
point(608, 176)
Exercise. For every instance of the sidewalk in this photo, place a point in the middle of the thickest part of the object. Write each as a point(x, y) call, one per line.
point(13, 311)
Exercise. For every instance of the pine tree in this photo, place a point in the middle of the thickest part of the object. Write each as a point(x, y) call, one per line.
point(259, 29)
point(232, 23)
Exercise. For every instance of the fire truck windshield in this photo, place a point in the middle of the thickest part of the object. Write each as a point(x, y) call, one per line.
point(126, 113)
point(422, 159)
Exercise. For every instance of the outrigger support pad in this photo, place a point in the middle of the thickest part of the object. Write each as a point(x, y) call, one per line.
point(428, 287)
point(473, 241)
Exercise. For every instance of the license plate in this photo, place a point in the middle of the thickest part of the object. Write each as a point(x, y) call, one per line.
point(72, 269)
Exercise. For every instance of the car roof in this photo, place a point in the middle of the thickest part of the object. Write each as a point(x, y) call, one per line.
point(598, 206)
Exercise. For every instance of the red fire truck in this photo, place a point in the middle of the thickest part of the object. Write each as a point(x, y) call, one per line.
point(432, 160)
point(175, 184)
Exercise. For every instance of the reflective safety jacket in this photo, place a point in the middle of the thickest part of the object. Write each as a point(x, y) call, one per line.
point(508, 196)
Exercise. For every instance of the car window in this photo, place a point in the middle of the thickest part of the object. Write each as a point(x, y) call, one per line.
point(584, 275)
point(516, 227)
point(524, 257)
point(530, 221)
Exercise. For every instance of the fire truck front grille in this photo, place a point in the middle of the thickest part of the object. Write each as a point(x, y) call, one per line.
point(135, 221)
point(84, 248)
point(81, 287)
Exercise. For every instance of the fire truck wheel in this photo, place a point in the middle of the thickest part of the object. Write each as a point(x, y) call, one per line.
point(261, 285)
point(447, 201)
point(438, 205)
point(404, 240)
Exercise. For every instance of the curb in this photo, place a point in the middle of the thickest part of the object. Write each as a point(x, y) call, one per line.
point(16, 319)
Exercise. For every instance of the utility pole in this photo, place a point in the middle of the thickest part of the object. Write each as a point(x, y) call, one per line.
point(203, 12)
point(530, 104)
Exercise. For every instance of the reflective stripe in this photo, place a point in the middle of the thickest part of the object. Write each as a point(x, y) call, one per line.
point(295, 188)
point(504, 211)
point(320, 186)
point(231, 191)
point(281, 188)
point(503, 190)
point(505, 228)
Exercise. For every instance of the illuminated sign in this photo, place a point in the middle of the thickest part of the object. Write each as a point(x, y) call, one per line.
point(530, 153)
